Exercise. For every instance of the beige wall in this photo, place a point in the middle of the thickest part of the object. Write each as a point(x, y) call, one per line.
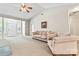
point(57, 20)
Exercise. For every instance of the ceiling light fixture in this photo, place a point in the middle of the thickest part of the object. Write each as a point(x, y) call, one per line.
point(25, 8)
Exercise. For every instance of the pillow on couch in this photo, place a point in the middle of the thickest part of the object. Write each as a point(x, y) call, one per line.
point(37, 33)
point(51, 35)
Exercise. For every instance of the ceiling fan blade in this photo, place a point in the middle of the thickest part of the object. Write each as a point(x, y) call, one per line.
point(20, 10)
point(27, 11)
point(22, 6)
point(25, 8)
point(29, 7)
point(73, 13)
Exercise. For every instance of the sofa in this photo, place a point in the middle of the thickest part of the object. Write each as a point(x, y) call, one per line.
point(36, 34)
point(40, 35)
point(62, 44)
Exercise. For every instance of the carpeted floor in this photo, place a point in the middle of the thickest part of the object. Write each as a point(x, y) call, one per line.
point(26, 46)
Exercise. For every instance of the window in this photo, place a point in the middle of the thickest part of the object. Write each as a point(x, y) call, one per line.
point(19, 28)
point(23, 28)
point(0, 25)
point(11, 27)
point(1, 31)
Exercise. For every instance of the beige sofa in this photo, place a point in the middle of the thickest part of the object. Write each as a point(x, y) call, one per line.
point(36, 34)
point(40, 35)
point(64, 44)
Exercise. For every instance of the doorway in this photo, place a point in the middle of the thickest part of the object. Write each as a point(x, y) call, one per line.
point(74, 21)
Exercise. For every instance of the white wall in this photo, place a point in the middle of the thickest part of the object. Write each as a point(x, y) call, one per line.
point(57, 19)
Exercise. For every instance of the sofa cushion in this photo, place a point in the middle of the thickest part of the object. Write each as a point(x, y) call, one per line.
point(63, 34)
point(66, 38)
point(51, 35)
point(37, 33)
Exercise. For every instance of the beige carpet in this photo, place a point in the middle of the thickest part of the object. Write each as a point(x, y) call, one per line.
point(25, 46)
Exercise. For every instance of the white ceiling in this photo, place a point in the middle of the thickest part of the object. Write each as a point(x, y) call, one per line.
point(50, 5)
point(12, 9)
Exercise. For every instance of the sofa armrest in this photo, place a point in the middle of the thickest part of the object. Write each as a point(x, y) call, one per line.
point(66, 39)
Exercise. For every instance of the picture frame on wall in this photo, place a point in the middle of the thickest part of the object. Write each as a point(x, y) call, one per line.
point(44, 24)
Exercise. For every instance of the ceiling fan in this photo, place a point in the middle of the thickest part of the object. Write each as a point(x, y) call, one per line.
point(73, 13)
point(25, 8)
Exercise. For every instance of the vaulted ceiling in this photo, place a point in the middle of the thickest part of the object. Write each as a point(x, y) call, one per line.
point(12, 9)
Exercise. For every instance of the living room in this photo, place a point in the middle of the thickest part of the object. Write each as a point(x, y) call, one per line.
point(39, 29)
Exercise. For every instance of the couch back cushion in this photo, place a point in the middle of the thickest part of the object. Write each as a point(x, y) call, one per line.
point(63, 34)
point(51, 35)
point(37, 33)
